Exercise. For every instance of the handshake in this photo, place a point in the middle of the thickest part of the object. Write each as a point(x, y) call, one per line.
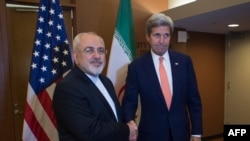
point(133, 130)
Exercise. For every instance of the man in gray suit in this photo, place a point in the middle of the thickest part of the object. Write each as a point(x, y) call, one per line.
point(85, 103)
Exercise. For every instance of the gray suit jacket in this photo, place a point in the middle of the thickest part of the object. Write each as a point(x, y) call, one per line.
point(83, 114)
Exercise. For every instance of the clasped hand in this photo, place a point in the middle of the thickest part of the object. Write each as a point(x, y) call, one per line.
point(133, 130)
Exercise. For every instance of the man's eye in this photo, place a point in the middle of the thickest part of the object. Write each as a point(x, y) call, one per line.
point(89, 50)
point(157, 35)
point(166, 35)
point(101, 50)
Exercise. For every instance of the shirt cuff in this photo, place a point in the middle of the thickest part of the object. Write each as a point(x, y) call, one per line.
point(196, 135)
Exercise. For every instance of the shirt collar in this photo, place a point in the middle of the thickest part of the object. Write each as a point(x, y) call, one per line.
point(94, 79)
point(156, 57)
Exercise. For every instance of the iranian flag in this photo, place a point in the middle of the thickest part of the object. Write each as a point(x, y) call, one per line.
point(123, 47)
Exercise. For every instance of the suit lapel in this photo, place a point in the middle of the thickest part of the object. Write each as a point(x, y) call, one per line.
point(175, 67)
point(96, 92)
point(103, 99)
point(151, 73)
point(112, 94)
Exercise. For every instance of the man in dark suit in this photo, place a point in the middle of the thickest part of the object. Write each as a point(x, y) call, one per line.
point(85, 103)
point(160, 122)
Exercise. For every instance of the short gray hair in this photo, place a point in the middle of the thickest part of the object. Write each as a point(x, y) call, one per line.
point(159, 19)
point(76, 41)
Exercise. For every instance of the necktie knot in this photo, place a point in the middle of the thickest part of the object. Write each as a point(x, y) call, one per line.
point(161, 59)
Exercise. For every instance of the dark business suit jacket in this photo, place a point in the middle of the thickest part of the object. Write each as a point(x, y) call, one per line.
point(157, 122)
point(83, 114)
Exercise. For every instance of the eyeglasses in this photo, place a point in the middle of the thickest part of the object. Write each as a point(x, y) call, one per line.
point(91, 50)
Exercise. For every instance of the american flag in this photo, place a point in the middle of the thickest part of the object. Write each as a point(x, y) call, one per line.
point(51, 60)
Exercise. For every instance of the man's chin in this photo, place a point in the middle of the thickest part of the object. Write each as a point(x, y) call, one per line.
point(96, 71)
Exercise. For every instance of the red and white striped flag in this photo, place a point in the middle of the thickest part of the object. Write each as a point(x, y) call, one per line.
point(51, 59)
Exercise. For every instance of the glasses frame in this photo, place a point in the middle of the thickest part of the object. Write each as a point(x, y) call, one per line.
point(91, 50)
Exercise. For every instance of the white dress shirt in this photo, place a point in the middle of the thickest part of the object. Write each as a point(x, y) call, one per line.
point(167, 65)
point(104, 92)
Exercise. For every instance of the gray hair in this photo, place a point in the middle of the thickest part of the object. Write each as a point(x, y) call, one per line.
point(76, 41)
point(159, 19)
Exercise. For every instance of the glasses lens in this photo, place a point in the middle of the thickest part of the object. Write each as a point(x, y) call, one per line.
point(90, 50)
point(101, 50)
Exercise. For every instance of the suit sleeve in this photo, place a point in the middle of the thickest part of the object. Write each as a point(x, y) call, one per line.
point(76, 119)
point(130, 99)
point(194, 101)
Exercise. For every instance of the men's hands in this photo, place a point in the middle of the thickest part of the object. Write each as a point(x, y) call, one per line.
point(133, 130)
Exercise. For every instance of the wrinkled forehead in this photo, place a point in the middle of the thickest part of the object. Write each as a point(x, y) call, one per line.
point(90, 40)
